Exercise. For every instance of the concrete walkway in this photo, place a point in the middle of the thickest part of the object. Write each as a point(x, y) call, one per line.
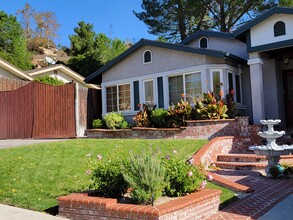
point(271, 198)
point(13, 213)
point(23, 142)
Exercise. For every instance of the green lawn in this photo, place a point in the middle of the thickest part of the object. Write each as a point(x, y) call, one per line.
point(33, 177)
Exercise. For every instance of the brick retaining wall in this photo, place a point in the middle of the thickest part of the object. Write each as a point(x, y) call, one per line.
point(195, 129)
point(198, 205)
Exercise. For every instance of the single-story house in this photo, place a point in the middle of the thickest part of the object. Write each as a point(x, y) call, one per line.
point(254, 60)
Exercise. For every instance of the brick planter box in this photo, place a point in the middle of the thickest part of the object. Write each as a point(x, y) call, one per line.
point(199, 205)
point(204, 129)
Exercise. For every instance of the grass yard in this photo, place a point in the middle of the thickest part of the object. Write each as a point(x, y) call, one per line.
point(33, 177)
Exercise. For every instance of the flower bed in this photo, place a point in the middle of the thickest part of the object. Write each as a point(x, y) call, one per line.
point(204, 129)
point(198, 205)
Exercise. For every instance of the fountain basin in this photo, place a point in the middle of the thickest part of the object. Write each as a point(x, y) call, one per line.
point(270, 122)
point(271, 134)
point(264, 151)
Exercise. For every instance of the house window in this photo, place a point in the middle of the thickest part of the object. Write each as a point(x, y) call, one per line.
point(112, 99)
point(234, 83)
point(147, 57)
point(216, 79)
point(188, 85)
point(203, 43)
point(149, 93)
point(175, 89)
point(279, 29)
point(124, 97)
point(193, 88)
point(118, 98)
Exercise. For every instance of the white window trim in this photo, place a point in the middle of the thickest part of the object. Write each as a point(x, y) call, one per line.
point(143, 90)
point(104, 95)
point(184, 83)
point(208, 44)
point(144, 55)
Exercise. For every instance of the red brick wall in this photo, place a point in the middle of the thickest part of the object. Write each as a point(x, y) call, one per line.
point(194, 206)
point(207, 155)
point(204, 129)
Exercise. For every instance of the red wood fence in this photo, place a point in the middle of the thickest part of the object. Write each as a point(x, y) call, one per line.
point(38, 111)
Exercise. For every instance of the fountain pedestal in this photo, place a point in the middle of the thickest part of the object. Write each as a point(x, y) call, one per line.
point(271, 150)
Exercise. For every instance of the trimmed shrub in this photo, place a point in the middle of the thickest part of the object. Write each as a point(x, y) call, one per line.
point(159, 118)
point(98, 123)
point(183, 177)
point(107, 178)
point(114, 120)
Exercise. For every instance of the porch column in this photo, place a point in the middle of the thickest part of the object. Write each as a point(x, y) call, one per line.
point(256, 79)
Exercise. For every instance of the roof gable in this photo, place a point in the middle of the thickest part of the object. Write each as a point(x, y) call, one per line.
point(177, 47)
point(275, 10)
point(14, 70)
point(77, 77)
point(206, 33)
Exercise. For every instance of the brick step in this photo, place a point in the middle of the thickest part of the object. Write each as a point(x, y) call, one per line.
point(240, 158)
point(241, 165)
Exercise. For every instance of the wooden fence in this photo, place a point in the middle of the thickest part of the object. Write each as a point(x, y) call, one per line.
point(38, 111)
point(7, 84)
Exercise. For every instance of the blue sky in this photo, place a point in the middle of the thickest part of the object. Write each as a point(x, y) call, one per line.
point(105, 15)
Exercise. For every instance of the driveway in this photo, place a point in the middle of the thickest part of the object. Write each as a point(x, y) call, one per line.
point(23, 142)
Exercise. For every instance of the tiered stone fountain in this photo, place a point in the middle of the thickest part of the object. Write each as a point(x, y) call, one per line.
point(271, 150)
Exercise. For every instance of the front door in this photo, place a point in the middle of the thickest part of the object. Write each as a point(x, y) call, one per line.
point(288, 96)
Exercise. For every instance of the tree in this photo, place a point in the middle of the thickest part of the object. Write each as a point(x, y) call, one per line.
point(45, 27)
point(229, 14)
point(90, 51)
point(27, 14)
point(174, 20)
point(13, 43)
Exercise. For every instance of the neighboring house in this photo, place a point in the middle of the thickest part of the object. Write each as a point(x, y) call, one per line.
point(86, 97)
point(254, 61)
point(10, 71)
point(62, 73)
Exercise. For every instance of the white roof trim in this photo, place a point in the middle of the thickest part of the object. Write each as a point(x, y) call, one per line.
point(67, 71)
point(14, 70)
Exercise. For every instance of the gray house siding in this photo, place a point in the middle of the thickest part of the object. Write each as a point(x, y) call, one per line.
point(162, 60)
point(233, 46)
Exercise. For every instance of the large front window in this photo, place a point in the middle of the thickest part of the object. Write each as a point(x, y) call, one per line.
point(187, 87)
point(118, 98)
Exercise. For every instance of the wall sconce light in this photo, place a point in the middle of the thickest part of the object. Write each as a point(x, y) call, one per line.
point(286, 59)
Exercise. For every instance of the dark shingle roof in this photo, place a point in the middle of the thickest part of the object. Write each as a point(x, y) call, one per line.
point(178, 47)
